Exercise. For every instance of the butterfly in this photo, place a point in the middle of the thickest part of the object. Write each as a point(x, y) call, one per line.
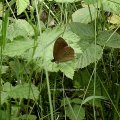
point(61, 51)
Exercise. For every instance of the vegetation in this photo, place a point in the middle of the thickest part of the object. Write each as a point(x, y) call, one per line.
point(84, 88)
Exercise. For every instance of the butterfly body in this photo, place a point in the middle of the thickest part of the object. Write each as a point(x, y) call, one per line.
point(62, 52)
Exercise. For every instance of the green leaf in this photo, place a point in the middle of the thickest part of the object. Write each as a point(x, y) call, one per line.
point(72, 107)
point(26, 90)
point(4, 115)
point(67, 68)
point(21, 5)
point(83, 15)
point(94, 97)
point(19, 28)
point(25, 117)
point(81, 80)
point(109, 39)
point(88, 56)
point(46, 42)
point(18, 47)
point(5, 92)
point(111, 6)
point(84, 31)
point(7, 87)
point(4, 97)
point(73, 114)
point(67, 101)
point(62, 1)
point(4, 69)
point(44, 51)
point(91, 1)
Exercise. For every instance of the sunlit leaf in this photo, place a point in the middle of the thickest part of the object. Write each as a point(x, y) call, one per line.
point(83, 15)
point(18, 47)
point(21, 91)
point(21, 5)
point(44, 51)
point(24, 91)
point(19, 28)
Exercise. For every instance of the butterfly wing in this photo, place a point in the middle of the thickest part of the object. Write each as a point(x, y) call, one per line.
point(58, 46)
point(66, 54)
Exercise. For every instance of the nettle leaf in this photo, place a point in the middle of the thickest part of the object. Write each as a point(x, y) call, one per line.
point(18, 47)
point(83, 15)
point(25, 90)
point(21, 5)
point(19, 28)
point(109, 39)
point(89, 55)
point(45, 51)
point(68, 68)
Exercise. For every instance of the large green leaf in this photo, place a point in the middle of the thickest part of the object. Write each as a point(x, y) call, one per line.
point(21, 5)
point(24, 91)
point(109, 39)
point(84, 31)
point(83, 15)
point(83, 58)
point(44, 51)
point(86, 43)
point(45, 43)
point(92, 53)
point(18, 47)
point(19, 28)
point(21, 91)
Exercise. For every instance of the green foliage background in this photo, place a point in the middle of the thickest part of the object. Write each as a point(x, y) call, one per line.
point(86, 87)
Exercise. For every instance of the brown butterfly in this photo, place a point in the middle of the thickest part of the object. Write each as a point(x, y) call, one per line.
point(62, 52)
